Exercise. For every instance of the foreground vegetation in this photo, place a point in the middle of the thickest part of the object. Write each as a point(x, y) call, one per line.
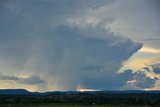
point(82, 99)
point(65, 105)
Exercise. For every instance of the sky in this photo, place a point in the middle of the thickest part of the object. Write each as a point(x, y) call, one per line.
point(61, 45)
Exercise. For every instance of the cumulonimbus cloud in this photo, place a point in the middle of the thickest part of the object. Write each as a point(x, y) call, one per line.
point(37, 39)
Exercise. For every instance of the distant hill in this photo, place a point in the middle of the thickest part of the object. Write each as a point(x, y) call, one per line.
point(14, 91)
point(127, 97)
point(25, 92)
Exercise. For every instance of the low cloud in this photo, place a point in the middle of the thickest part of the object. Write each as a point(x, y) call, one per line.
point(142, 81)
point(156, 68)
point(7, 77)
point(31, 80)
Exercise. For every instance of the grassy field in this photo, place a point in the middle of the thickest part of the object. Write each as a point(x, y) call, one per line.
point(63, 105)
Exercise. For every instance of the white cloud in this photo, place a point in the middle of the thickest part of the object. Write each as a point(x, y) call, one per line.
point(149, 50)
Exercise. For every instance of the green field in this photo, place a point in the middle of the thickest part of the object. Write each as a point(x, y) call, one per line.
point(64, 105)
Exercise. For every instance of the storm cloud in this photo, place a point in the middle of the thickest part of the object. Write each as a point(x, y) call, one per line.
point(41, 38)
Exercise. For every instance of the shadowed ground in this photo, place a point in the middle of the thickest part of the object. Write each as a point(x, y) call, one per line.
point(64, 105)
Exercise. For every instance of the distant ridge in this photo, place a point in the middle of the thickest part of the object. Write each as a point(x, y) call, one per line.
point(14, 91)
point(25, 92)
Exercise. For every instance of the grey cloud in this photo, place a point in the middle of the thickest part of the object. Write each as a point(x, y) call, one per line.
point(156, 68)
point(32, 80)
point(139, 80)
point(113, 81)
point(153, 67)
point(146, 68)
point(36, 35)
point(23, 22)
point(7, 77)
point(143, 81)
point(77, 57)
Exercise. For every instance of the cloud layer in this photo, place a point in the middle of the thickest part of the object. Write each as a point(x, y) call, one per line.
point(32, 80)
point(65, 44)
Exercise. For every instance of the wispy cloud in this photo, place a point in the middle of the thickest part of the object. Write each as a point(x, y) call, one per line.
point(149, 50)
point(30, 80)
